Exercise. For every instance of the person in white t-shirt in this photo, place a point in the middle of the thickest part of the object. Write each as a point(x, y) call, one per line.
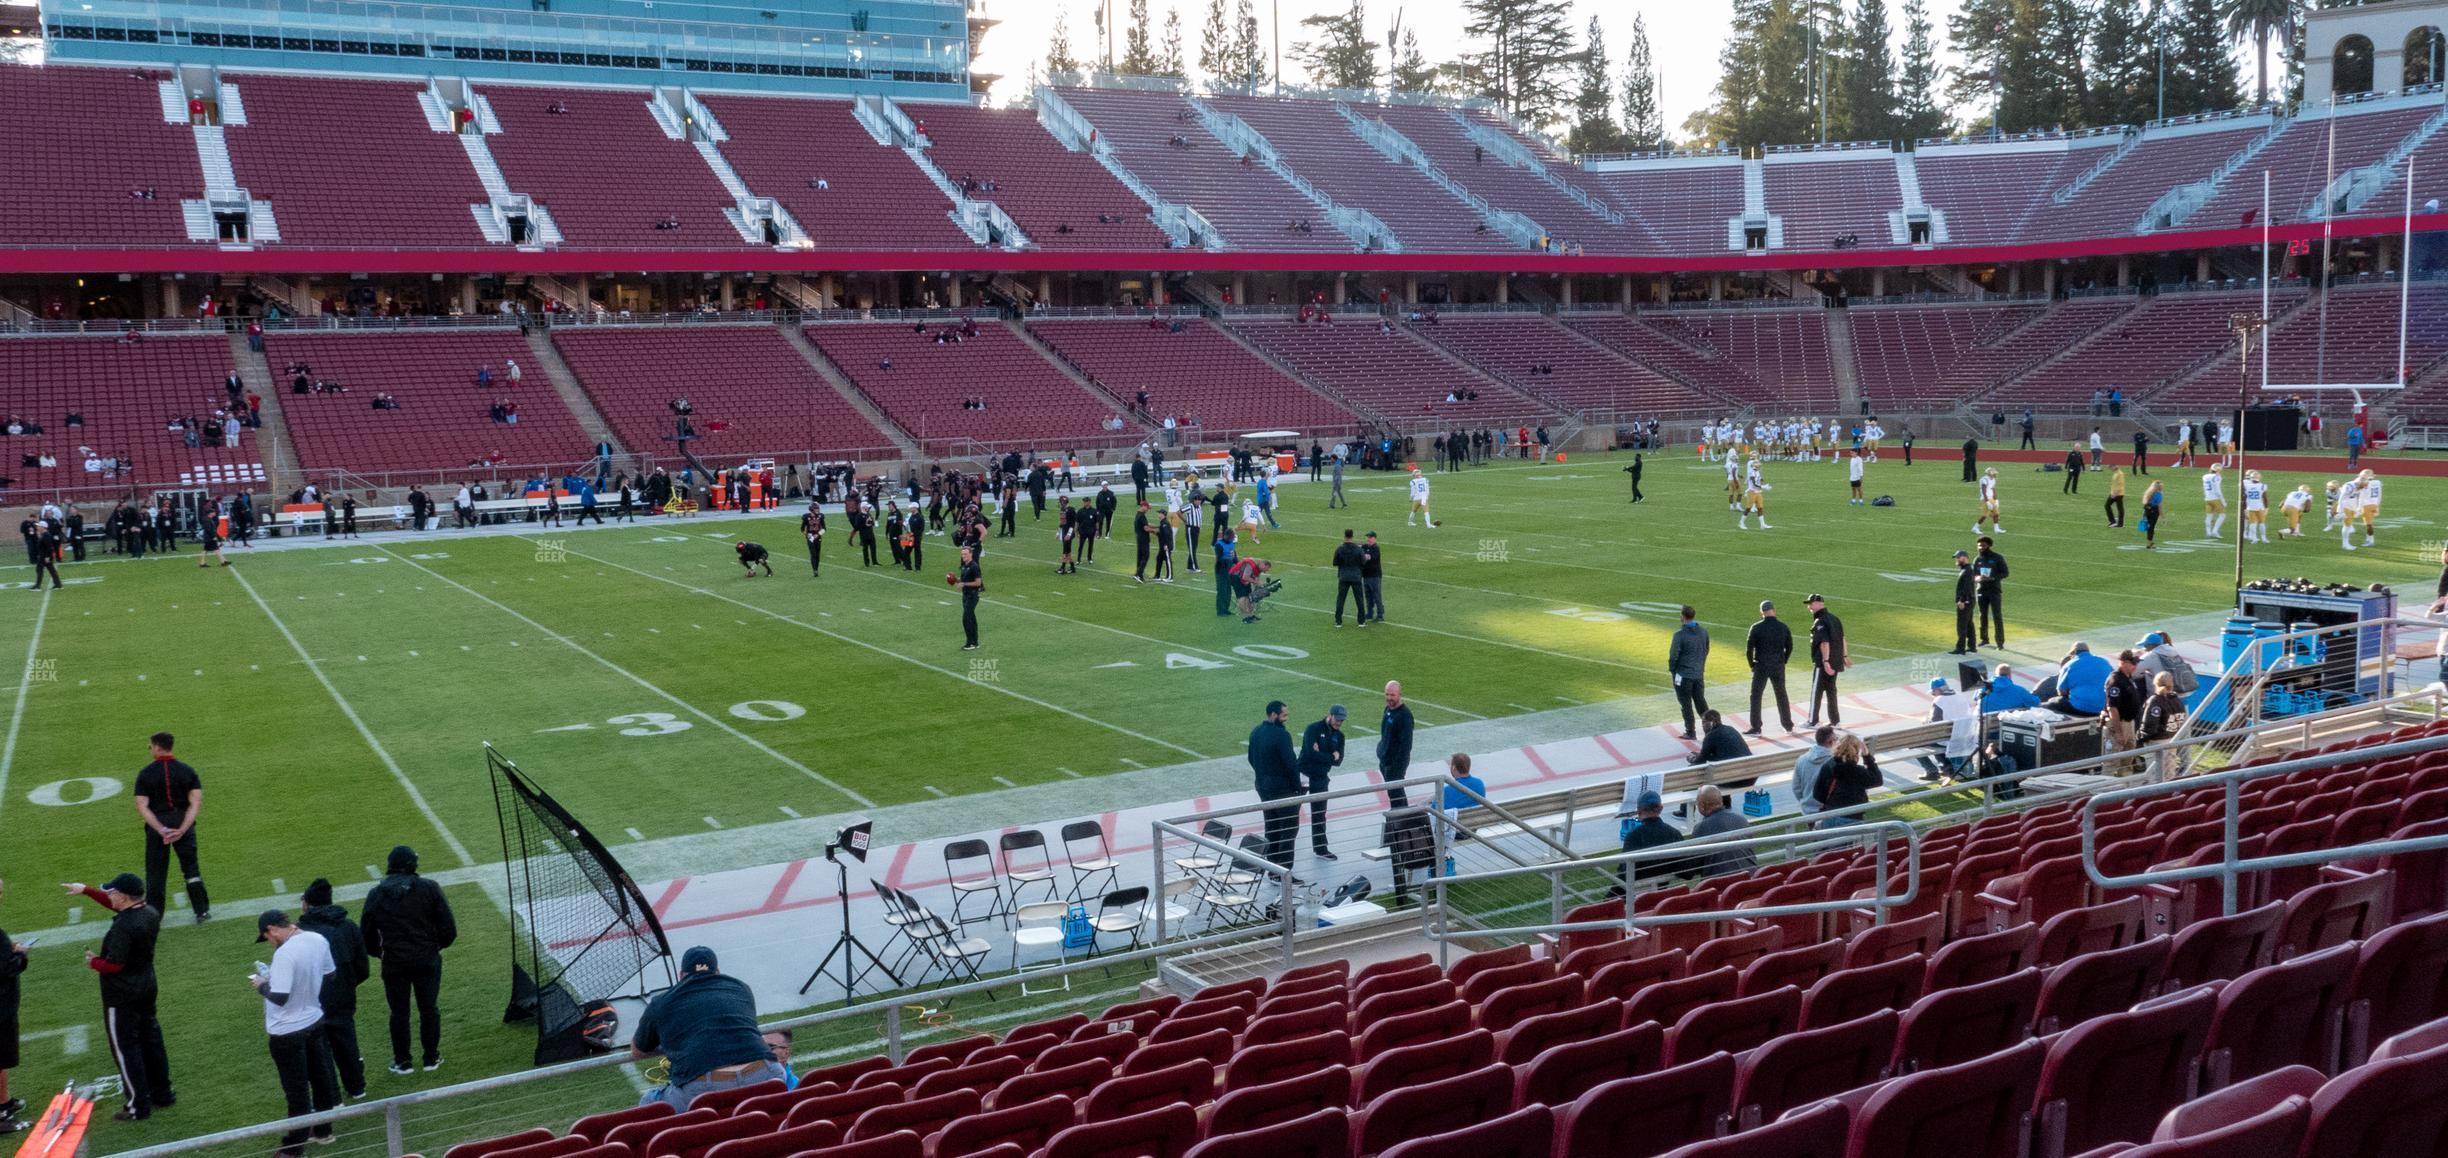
point(1853, 471)
point(292, 991)
point(1960, 711)
point(2214, 502)
point(1419, 500)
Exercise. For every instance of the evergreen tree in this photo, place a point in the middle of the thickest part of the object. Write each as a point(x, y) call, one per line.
point(1865, 94)
point(1138, 47)
point(2065, 33)
point(1249, 49)
point(1594, 129)
point(1917, 111)
point(1644, 123)
point(1058, 58)
point(1339, 54)
point(2124, 69)
point(1979, 31)
point(1527, 55)
point(2201, 73)
point(1412, 72)
point(1216, 58)
point(1169, 50)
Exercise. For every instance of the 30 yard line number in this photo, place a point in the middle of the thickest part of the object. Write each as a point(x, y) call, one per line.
point(667, 724)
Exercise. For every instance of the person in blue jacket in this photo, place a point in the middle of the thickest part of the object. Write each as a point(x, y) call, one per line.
point(2082, 683)
point(2005, 695)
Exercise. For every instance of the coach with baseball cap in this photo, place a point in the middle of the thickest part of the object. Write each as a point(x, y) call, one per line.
point(130, 993)
point(705, 1025)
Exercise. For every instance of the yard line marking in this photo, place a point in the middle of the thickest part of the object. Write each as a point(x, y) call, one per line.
point(789, 811)
point(380, 753)
point(1132, 763)
point(939, 793)
point(279, 886)
point(8, 750)
point(373, 872)
point(634, 834)
point(712, 823)
point(637, 679)
point(1004, 782)
point(1524, 707)
point(1070, 773)
point(75, 915)
point(912, 660)
point(1568, 699)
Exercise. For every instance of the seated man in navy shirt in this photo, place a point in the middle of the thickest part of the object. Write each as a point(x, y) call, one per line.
point(706, 1026)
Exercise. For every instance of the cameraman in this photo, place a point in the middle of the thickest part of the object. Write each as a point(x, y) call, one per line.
point(1249, 580)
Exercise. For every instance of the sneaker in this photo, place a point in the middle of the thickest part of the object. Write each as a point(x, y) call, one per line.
point(399, 1067)
point(432, 1064)
point(324, 1139)
point(203, 916)
point(12, 1107)
point(358, 1095)
point(131, 1114)
point(1327, 854)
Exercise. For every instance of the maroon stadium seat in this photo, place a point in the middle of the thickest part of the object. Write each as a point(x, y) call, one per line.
point(1671, 1107)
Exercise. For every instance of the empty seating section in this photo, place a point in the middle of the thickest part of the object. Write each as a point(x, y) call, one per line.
point(1786, 351)
point(1314, 141)
point(2167, 337)
point(1821, 200)
point(352, 163)
point(749, 378)
point(128, 393)
point(80, 144)
point(1042, 185)
point(1989, 197)
point(605, 171)
point(1557, 163)
point(444, 420)
point(1248, 204)
point(1518, 1056)
point(1585, 373)
point(874, 199)
point(1395, 375)
point(2301, 162)
point(2355, 342)
point(1448, 146)
point(1641, 342)
point(2061, 326)
point(2114, 203)
point(1199, 371)
point(1688, 205)
point(921, 382)
point(2429, 162)
point(1902, 354)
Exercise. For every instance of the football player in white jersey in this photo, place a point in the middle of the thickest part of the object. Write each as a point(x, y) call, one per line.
point(2371, 503)
point(2256, 508)
point(1753, 502)
point(2350, 509)
point(1988, 504)
point(1419, 500)
point(2214, 502)
point(2293, 507)
point(1733, 482)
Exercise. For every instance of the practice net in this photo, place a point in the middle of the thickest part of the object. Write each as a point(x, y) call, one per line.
point(580, 931)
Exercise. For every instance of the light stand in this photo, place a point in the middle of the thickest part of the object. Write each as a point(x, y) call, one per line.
point(846, 944)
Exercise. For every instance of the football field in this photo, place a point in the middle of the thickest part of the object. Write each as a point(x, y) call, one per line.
point(334, 698)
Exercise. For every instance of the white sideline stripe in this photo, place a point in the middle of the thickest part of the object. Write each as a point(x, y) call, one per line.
point(380, 753)
point(633, 677)
point(8, 750)
point(881, 650)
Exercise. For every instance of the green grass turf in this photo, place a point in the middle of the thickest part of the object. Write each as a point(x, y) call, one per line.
point(1542, 587)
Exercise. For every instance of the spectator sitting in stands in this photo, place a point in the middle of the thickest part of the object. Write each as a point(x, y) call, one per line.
point(969, 327)
point(668, 223)
point(484, 375)
point(1179, 141)
point(75, 419)
point(1482, 227)
point(1064, 227)
point(557, 108)
point(1432, 320)
point(142, 193)
point(820, 185)
point(1385, 329)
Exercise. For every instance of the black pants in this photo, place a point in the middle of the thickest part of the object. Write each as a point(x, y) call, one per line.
point(76, 545)
point(1971, 467)
point(1770, 677)
point(340, 1037)
point(867, 548)
point(1397, 798)
point(1009, 514)
point(1352, 589)
point(1374, 587)
point(1636, 491)
point(44, 564)
point(1282, 825)
point(424, 982)
point(1192, 531)
point(136, 1045)
point(2141, 462)
point(2115, 506)
point(917, 551)
point(2073, 482)
point(1908, 454)
point(1823, 687)
point(1317, 809)
point(1141, 572)
point(969, 602)
point(815, 556)
point(2027, 440)
point(157, 870)
point(305, 1067)
point(1692, 696)
point(1993, 611)
point(1963, 628)
point(1086, 545)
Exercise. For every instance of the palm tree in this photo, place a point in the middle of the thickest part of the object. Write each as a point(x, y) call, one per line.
point(2258, 21)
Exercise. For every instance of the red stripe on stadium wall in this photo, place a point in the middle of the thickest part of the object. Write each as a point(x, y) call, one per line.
point(303, 260)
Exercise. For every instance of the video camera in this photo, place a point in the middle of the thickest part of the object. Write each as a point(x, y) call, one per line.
point(1265, 587)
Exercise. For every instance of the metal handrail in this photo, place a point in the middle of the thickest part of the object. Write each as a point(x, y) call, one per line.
point(2229, 865)
point(2244, 681)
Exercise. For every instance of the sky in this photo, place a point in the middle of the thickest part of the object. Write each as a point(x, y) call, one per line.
point(1683, 37)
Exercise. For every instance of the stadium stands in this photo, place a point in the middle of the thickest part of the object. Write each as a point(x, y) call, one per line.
point(2114, 203)
point(1822, 197)
point(1785, 350)
point(81, 144)
point(2309, 153)
point(876, 199)
point(1584, 374)
point(127, 393)
point(1249, 205)
point(2060, 326)
point(1200, 370)
point(749, 379)
point(1902, 354)
point(444, 420)
point(921, 383)
point(1042, 186)
point(2166, 337)
point(606, 171)
point(1988, 194)
point(1393, 374)
point(1314, 141)
point(2352, 340)
point(352, 162)
point(1686, 204)
point(1637, 340)
point(1448, 145)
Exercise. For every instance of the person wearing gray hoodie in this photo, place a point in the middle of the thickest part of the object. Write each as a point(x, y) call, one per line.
point(349, 970)
point(1811, 763)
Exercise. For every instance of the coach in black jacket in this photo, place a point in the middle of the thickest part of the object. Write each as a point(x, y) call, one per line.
point(1277, 777)
point(1394, 745)
point(1348, 559)
point(408, 924)
point(349, 970)
point(1768, 648)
